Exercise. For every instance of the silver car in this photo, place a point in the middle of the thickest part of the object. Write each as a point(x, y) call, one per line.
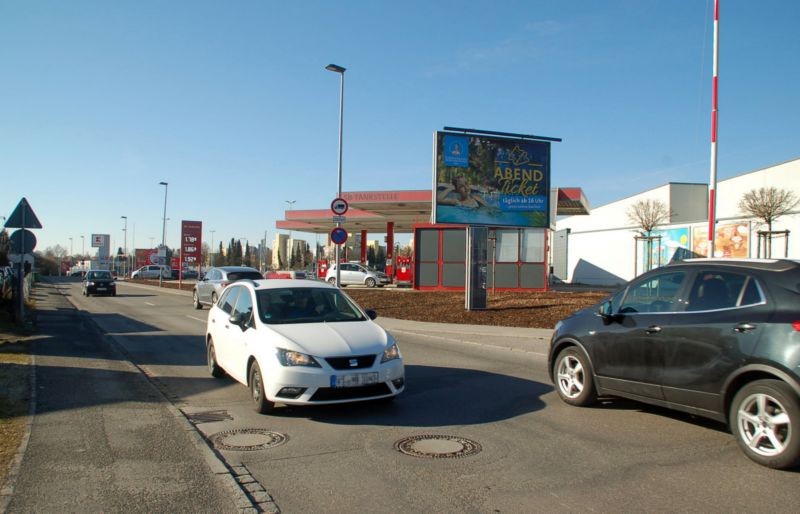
point(208, 289)
point(353, 273)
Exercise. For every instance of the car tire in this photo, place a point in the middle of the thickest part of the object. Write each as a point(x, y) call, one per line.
point(370, 282)
point(256, 383)
point(332, 281)
point(196, 301)
point(213, 298)
point(574, 378)
point(765, 419)
point(211, 357)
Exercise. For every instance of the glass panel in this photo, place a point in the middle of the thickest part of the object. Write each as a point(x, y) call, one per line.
point(532, 249)
point(507, 249)
point(654, 294)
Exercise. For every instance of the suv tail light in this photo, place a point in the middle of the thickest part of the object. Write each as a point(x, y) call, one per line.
point(796, 325)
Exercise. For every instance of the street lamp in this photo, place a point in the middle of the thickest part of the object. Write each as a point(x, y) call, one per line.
point(70, 248)
point(83, 247)
point(338, 69)
point(125, 244)
point(163, 233)
point(212, 248)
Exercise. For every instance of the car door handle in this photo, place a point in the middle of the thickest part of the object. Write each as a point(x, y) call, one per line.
point(744, 327)
point(653, 329)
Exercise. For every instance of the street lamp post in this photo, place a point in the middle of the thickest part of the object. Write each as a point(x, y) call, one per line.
point(125, 245)
point(338, 69)
point(70, 248)
point(83, 247)
point(163, 232)
point(211, 259)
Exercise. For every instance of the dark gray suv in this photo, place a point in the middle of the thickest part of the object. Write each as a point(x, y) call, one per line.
point(207, 290)
point(712, 337)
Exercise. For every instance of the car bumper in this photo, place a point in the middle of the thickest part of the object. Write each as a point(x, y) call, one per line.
point(102, 290)
point(316, 386)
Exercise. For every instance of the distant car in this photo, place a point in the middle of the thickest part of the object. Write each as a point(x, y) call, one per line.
point(353, 273)
point(718, 338)
point(99, 282)
point(207, 289)
point(297, 274)
point(301, 342)
point(186, 274)
point(152, 271)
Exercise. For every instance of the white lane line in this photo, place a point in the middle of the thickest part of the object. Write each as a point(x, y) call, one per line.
point(196, 319)
point(150, 304)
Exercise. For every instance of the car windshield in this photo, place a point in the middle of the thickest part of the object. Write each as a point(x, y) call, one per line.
point(305, 305)
point(239, 275)
point(95, 275)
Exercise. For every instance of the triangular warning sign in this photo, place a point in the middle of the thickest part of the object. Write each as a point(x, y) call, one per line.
point(23, 217)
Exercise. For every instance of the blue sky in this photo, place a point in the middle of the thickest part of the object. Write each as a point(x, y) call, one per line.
point(229, 102)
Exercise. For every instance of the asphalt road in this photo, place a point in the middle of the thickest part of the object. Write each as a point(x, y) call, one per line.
point(483, 389)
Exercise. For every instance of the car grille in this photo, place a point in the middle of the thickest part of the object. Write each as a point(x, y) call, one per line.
point(362, 361)
point(326, 394)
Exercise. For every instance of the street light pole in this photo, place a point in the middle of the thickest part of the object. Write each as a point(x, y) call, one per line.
point(70, 248)
point(163, 233)
point(83, 247)
point(338, 69)
point(125, 244)
point(211, 259)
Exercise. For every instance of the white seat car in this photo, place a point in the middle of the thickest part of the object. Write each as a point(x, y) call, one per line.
point(152, 271)
point(301, 342)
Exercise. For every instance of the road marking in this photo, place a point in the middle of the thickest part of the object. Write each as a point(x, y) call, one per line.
point(196, 319)
point(452, 340)
point(150, 304)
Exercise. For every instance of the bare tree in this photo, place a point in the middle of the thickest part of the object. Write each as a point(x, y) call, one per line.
point(646, 215)
point(768, 204)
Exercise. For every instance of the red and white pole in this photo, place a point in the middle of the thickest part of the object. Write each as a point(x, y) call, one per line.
point(712, 184)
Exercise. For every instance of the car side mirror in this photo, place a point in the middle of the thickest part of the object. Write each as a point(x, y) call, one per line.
point(371, 314)
point(240, 320)
point(606, 312)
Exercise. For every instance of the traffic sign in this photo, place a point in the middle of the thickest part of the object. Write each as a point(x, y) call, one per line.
point(339, 235)
point(339, 206)
point(22, 241)
point(339, 219)
point(23, 217)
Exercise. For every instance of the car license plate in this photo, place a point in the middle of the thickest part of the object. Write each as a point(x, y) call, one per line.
point(101, 288)
point(354, 379)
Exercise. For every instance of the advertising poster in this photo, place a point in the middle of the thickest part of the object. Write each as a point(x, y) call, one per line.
point(145, 257)
point(730, 240)
point(671, 241)
point(493, 181)
point(191, 243)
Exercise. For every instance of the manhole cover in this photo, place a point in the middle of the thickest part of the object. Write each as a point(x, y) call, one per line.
point(247, 439)
point(437, 446)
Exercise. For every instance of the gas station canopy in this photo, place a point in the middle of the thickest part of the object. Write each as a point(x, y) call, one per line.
point(373, 210)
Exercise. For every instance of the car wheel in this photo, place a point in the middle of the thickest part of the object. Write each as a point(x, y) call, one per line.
point(332, 281)
point(213, 367)
point(213, 298)
point(765, 418)
point(574, 378)
point(370, 282)
point(263, 406)
point(196, 301)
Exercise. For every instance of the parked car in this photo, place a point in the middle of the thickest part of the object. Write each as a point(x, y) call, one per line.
point(99, 282)
point(208, 289)
point(712, 337)
point(353, 273)
point(152, 271)
point(184, 274)
point(301, 274)
point(300, 342)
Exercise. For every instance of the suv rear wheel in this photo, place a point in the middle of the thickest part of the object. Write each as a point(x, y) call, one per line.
point(765, 418)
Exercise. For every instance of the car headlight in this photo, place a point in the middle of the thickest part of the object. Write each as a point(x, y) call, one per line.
point(390, 354)
point(291, 358)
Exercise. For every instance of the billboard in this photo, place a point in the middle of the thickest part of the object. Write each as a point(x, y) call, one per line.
point(191, 243)
point(731, 240)
point(495, 181)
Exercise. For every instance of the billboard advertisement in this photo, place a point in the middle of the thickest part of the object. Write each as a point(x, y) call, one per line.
point(730, 240)
point(191, 243)
point(495, 181)
point(145, 257)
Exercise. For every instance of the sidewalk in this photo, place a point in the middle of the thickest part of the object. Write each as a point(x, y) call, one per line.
point(101, 438)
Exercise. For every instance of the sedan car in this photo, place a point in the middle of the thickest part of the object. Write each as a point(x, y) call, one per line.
point(299, 342)
point(712, 337)
point(353, 273)
point(99, 282)
point(208, 288)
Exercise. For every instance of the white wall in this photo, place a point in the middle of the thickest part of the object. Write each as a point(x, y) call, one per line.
point(602, 247)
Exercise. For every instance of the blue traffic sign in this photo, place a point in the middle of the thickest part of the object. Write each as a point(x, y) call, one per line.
point(339, 235)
